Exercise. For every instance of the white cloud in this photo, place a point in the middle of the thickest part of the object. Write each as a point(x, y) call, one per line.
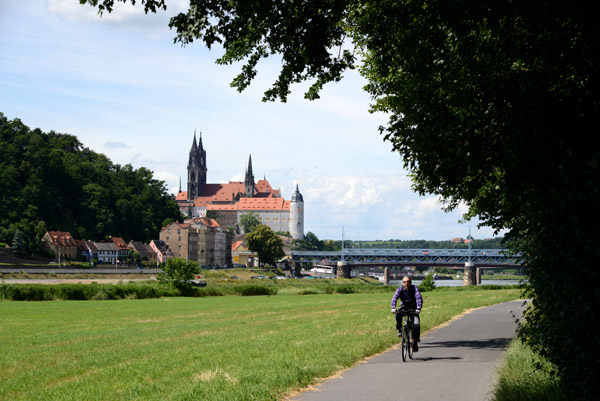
point(424, 207)
point(115, 145)
point(124, 15)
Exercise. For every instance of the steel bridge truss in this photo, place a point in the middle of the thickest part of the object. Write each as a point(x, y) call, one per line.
point(409, 257)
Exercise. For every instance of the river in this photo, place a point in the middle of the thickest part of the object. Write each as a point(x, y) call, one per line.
point(456, 283)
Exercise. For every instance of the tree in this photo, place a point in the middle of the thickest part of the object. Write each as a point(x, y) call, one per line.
point(134, 257)
point(310, 243)
point(490, 104)
point(266, 244)
point(18, 247)
point(249, 222)
point(179, 273)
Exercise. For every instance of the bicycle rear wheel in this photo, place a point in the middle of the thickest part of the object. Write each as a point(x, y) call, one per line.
point(404, 343)
point(409, 342)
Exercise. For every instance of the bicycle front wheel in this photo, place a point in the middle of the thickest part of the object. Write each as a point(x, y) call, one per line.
point(409, 342)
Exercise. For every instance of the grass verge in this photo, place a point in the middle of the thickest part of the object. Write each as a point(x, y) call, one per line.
point(525, 376)
point(218, 348)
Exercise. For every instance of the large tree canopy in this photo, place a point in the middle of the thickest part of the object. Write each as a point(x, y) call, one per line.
point(49, 181)
point(493, 103)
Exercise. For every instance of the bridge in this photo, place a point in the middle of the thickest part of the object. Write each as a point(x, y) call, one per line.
point(360, 257)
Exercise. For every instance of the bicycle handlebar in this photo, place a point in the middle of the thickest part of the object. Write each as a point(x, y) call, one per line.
point(406, 311)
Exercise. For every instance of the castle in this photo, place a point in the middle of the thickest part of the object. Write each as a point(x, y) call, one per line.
point(232, 200)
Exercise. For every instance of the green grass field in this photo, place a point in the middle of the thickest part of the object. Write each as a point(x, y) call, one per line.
point(212, 348)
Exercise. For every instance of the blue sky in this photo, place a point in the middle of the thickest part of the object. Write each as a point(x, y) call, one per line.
point(122, 86)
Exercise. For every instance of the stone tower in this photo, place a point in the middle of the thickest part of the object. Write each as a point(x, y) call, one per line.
point(196, 169)
point(297, 215)
point(249, 181)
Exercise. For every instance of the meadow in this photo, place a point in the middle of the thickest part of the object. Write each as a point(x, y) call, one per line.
point(209, 348)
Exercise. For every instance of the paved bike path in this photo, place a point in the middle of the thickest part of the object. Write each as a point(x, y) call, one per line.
point(454, 362)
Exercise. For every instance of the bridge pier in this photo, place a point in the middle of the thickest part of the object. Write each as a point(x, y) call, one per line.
point(470, 277)
point(386, 276)
point(296, 270)
point(343, 269)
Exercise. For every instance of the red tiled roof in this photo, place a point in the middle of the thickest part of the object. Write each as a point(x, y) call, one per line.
point(218, 193)
point(223, 191)
point(60, 238)
point(119, 242)
point(182, 225)
point(263, 186)
point(263, 204)
point(207, 221)
point(222, 207)
point(201, 201)
point(237, 244)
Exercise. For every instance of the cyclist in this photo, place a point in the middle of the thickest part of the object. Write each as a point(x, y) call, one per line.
point(410, 298)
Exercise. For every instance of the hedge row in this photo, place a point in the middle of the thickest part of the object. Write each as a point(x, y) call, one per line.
point(71, 292)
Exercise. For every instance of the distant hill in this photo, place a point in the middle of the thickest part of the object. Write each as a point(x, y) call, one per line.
point(312, 243)
point(493, 243)
point(50, 181)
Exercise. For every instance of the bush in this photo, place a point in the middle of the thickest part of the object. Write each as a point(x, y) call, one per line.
point(29, 292)
point(340, 289)
point(428, 284)
point(179, 273)
point(255, 289)
point(80, 292)
point(208, 292)
point(80, 265)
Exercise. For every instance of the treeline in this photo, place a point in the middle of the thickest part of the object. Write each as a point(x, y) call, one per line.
point(492, 243)
point(51, 182)
point(312, 243)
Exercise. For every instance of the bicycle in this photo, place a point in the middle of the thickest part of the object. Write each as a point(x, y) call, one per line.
point(406, 332)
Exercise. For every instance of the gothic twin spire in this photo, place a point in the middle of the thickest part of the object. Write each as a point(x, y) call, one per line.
point(197, 172)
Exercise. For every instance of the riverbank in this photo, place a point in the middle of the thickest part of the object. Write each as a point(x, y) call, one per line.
point(459, 283)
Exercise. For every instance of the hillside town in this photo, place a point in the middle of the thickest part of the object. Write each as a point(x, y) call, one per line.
point(210, 241)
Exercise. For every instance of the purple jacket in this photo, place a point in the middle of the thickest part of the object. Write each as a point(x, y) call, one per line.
point(411, 299)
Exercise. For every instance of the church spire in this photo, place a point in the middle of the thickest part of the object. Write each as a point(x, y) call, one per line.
point(196, 170)
point(200, 141)
point(249, 169)
point(249, 181)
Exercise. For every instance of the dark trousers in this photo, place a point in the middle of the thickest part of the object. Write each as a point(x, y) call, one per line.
point(416, 325)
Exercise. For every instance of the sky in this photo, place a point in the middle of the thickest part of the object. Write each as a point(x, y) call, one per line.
point(123, 87)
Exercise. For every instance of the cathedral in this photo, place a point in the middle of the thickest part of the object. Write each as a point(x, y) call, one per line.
point(228, 202)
